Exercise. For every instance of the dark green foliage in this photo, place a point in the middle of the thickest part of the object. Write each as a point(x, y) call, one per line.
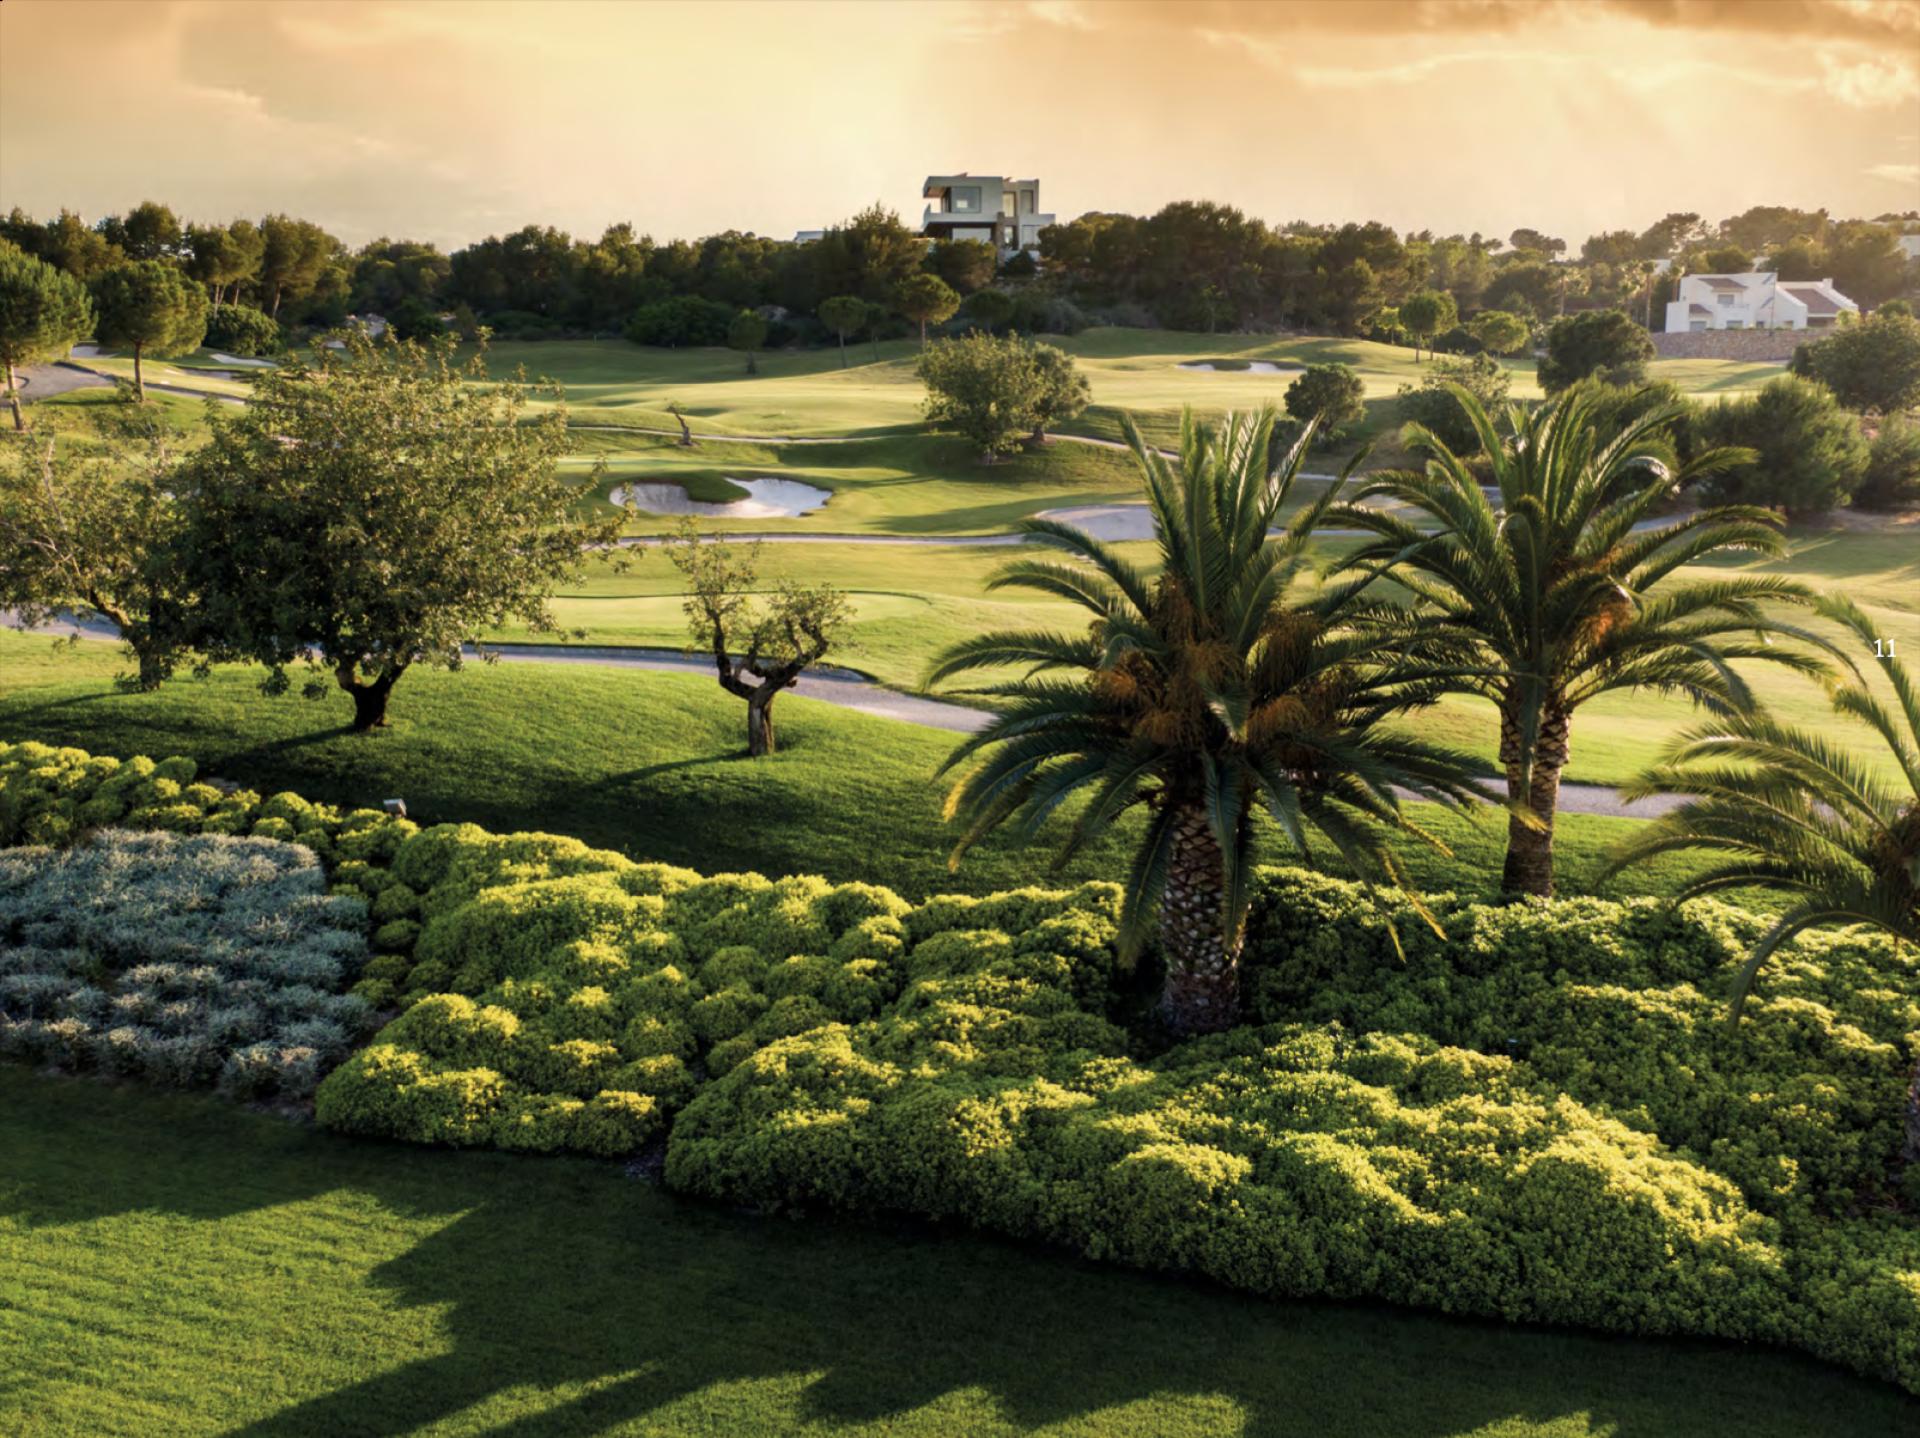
point(151, 308)
point(681, 321)
point(1892, 478)
point(1872, 366)
point(1332, 394)
point(413, 318)
point(1612, 408)
point(1604, 342)
point(1433, 403)
point(1810, 454)
point(242, 330)
point(43, 310)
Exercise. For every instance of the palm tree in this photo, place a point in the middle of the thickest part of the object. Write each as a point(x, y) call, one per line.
point(1795, 812)
point(1561, 584)
point(1200, 695)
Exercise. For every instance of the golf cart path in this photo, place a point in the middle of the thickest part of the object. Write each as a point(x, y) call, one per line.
point(850, 689)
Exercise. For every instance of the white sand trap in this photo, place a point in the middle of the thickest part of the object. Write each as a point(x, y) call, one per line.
point(243, 363)
point(1253, 367)
point(766, 499)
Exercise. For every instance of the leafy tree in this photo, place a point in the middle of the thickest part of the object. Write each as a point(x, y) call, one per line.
point(86, 521)
point(843, 314)
point(42, 312)
point(1892, 478)
point(1064, 392)
point(222, 257)
point(242, 330)
point(149, 231)
point(1537, 241)
point(990, 388)
point(1333, 394)
point(926, 299)
point(293, 256)
point(1556, 594)
point(375, 510)
point(758, 651)
point(868, 255)
point(1431, 404)
point(1806, 454)
point(151, 307)
point(1725, 260)
point(1426, 314)
point(1229, 682)
point(1606, 342)
point(966, 265)
point(1502, 333)
point(747, 331)
point(1872, 367)
point(989, 308)
point(1796, 814)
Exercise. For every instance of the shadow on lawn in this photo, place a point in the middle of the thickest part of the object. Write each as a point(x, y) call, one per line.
point(558, 1274)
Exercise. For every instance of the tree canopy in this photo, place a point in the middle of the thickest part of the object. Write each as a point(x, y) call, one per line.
point(43, 310)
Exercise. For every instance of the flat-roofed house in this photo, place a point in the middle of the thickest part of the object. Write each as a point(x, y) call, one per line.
point(1760, 300)
point(1004, 213)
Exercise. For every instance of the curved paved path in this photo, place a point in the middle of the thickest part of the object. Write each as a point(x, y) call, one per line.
point(850, 689)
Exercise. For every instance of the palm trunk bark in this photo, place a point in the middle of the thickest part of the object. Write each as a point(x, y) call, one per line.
point(1529, 866)
point(1202, 993)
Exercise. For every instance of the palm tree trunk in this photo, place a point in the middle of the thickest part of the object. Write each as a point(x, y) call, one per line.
point(1202, 993)
point(1529, 866)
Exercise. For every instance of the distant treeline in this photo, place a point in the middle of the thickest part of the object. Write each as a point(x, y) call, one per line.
point(1192, 265)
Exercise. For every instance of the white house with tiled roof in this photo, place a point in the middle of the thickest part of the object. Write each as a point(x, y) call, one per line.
point(1755, 301)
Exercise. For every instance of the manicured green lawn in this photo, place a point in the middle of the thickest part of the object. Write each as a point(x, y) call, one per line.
point(651, 764)
point(179, 1265)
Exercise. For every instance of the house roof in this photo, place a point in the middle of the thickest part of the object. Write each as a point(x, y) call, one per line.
point(1817, 301)
point(1720, 282)
point(1699, 309)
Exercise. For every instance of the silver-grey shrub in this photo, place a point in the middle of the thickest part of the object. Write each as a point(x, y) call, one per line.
point(180, 960)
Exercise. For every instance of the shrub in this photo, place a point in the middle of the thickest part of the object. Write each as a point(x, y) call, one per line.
point(1333, 392)
point(1603, 343)
point(183, 961)
point(1432, 404)
point(1811, 455)
point(243, 331)
point(682, 320)
point(1870, 366)
point(1892, 477)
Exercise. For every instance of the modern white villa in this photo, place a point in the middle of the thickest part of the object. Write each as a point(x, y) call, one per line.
point(1755, 301)
point(1005, 213)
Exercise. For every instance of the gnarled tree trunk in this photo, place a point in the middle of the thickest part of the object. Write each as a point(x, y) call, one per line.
point(369, 696)
point(760, 740)
point(1529, 866)
point(1202, 993)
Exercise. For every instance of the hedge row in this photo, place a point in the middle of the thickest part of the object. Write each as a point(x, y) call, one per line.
point(1545, 1117)
point(180, 960)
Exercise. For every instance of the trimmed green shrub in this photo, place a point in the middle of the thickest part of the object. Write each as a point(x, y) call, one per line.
point(183, 961)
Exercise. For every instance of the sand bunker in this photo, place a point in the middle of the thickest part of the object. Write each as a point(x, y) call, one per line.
point(1251, 367)
point(766, 499)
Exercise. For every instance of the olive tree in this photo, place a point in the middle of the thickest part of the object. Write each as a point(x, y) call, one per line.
point(87, 520)
point(989, 388)
point(42, 312)
point(375, 509)
point(152, 308)
point(1064, 392)
point(759, 648)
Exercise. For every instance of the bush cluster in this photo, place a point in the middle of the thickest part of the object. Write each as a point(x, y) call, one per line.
point(1542, 1116)
point(566, 998)
point(57, 796)
point(178, 960)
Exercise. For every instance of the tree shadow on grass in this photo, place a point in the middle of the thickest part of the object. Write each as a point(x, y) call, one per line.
point(574, 1300)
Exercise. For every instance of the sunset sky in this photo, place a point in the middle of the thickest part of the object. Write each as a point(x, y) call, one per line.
point(448, 121)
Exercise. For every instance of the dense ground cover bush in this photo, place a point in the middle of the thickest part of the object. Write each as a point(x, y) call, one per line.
point(179, 960)
point(1544, 1116)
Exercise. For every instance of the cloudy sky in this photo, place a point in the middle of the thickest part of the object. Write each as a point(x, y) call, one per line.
point(447, 120)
